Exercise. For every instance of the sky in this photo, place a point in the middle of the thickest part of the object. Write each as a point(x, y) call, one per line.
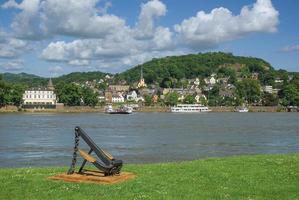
point(54, 37)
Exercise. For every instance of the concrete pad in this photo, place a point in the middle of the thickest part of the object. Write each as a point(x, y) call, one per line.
point(93, 177)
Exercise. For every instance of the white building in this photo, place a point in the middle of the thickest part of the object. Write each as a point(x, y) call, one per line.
point(40, 97)
point(118, 98)
point(211, 80)
point(132, 96)
point(196, 82)
point(268, 89)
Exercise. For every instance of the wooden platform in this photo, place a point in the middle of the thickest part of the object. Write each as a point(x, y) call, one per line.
point(93, 177)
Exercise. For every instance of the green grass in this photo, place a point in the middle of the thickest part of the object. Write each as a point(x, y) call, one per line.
point(243, 177)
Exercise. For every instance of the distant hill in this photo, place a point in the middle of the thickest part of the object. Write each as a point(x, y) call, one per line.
point(34, 81)
point(24, 78)
point(81, 77)
point(191, 66)
point(157, 70)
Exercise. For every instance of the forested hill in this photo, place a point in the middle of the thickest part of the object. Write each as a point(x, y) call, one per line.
point(81, 77)
point(36, 81)
point(25, 79)
point(194, 65)
point(172, 67)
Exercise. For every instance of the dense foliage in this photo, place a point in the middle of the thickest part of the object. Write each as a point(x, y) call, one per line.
point(80, 77)
point(74, 95)
point(165, 70)
point(10, 94)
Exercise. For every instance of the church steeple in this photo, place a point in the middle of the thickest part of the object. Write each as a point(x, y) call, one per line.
point(141, 83)
point(50, 85)
point(141, 73)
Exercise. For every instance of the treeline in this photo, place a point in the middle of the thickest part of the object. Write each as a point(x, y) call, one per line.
point(68, 93)
point(11, 94)
point(36, 81)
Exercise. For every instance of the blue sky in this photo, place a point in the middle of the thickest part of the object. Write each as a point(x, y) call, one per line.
point(54, 37)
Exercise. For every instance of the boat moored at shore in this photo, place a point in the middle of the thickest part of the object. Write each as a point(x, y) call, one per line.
point(189, 108)
point(121, 110)
point(242, 109)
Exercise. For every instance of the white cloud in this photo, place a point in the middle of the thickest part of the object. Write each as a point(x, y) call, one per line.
point(11, 47)
point(79, 62)
point(290, 48)
point(207, 30)
point(121, 47)
point(55, 69)
point(13, 65)
point(150, 11)
point(40, 19)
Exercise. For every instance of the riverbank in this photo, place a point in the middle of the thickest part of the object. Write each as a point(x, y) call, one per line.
point(101, 109)
point(242, 177)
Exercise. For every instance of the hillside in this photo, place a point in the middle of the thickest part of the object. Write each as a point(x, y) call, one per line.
point(194, 65)
point(80, 77)
point(35, 81)
point(24, 78)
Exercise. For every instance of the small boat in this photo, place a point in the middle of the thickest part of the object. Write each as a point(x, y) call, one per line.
point(189, 108)
point(242, 110)
point(120, 110)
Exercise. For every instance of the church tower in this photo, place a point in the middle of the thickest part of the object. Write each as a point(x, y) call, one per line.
point(50, 85)
point(141, 83)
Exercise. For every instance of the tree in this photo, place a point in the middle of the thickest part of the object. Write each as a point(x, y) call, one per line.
point(189, 99)
point(270, 100)
point(147, 100)
point(171, 99)
point(249, 90)
point(290, 96)
point(11, 94)
point(16, 94)
point(90, 98)
point(3, 91)
point(69, 94)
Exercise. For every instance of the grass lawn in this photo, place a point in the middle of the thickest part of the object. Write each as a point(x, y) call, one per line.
point(242, 177)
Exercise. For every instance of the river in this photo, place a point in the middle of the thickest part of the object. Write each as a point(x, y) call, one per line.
point(47, 139)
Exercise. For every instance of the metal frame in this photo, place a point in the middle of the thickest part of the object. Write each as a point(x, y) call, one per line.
point(105, 164)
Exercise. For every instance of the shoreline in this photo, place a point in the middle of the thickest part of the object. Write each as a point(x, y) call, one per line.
point(145, 109)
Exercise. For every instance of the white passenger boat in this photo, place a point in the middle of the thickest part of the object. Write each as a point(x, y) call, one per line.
point(189, 108)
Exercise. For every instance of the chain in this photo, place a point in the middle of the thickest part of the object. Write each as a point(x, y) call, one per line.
point(74, 160)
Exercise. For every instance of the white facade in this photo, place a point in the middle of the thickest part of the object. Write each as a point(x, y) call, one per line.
point(40, 97)
point(134, 97)
point(268, 89)
point(210, 81)
point(118, 99)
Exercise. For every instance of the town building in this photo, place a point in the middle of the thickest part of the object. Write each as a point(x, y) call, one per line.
point(117, 98)
point(118, 88)
point(40, 98)
point(268, 89)
point(133, 96)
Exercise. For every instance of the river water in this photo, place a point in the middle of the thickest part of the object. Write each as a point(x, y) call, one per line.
point(46, 139)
